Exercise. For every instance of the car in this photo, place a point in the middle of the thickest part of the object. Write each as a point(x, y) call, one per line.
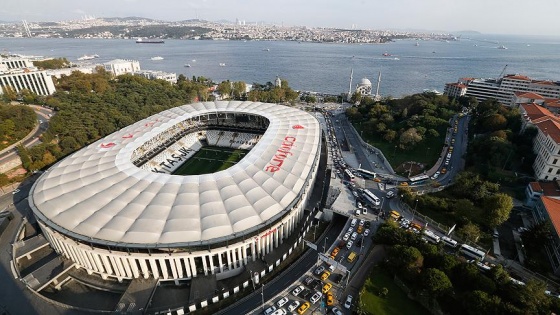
point(293, 306)
point(333, 254)
point(330, 299)
point(348, 302)
point(349, 244)
point(282, 302)
point(325, 275)
point(359, 242)
point(327, 287)
point(366, 232)
point(15, 191)
point(319, 270)
point(354, 235)
point(270, 310)
point(297, 290)
point(362, 222)
point(336, 311)
point(316, 297)
point(303, 308)
point(390, 194)
point(346, 237)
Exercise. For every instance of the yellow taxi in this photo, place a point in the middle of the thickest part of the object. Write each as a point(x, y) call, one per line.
point(327, 287)
point(303, 308)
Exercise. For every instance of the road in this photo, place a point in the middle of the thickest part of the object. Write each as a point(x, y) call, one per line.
point(286, 279)
point(43, 116)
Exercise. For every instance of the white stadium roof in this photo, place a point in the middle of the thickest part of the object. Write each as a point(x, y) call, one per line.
point(98, 195)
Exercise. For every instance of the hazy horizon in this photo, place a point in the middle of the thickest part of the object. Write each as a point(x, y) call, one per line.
point(502, 17)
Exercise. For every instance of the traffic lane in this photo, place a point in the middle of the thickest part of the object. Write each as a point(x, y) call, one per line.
point(286, 279)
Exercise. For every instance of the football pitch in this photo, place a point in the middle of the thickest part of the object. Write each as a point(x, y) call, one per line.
point(210, 160)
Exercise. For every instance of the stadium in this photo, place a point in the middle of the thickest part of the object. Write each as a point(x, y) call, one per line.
point(198, 189)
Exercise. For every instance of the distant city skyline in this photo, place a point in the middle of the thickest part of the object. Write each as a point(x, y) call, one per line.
point(491, 17)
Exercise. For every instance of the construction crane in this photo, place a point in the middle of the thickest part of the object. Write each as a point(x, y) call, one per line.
point(502, 73)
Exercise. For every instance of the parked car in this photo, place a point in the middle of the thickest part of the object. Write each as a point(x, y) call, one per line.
point(281, 302)
point(297, 290)
point(270, 310)
point(316, 297)
point(293, 306)
point(348, 302)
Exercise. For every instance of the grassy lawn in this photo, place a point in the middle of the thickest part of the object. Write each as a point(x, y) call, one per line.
point(396, 302)
point(210, 160)
point(427, 152)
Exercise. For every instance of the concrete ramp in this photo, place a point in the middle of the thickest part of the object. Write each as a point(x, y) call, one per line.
point(137, 296)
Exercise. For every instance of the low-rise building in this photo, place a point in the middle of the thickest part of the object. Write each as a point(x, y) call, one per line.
point(153, 75)
point(122, 66)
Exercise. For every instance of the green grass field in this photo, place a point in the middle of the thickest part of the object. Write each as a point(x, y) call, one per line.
point(210, 160)
point(396, 302)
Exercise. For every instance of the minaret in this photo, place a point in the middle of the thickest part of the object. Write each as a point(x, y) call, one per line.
point(350, 88)
point(377, 97)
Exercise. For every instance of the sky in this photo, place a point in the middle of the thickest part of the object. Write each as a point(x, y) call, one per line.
point(517, 17)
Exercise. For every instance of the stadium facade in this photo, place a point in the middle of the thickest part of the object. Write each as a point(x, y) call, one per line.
point(116, 209)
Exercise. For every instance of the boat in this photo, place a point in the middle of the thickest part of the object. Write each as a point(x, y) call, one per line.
point(157, 58)
point(88, 57)
point(222, 64)
point(149, 41)
point(502, 47)
point(187, 65)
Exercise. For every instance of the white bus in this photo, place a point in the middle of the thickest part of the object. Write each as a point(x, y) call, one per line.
point(349, 174)
point(430, 236)
point(366, 173)
point(449, 241)
point(416, 180)
point(373, 199)
point(472, 252)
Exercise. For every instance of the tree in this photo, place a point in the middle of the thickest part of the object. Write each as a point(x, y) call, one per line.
point(469, 232)
point(435, 282)
point(498, 207)
point(406, 258)
point(409, 138)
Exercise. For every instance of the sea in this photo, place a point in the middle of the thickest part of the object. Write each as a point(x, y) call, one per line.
point(406, 66)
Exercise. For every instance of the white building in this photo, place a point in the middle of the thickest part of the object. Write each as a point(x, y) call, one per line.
point(19, 74)
point(122, 66)
point(502, 89)
point(153, 75)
